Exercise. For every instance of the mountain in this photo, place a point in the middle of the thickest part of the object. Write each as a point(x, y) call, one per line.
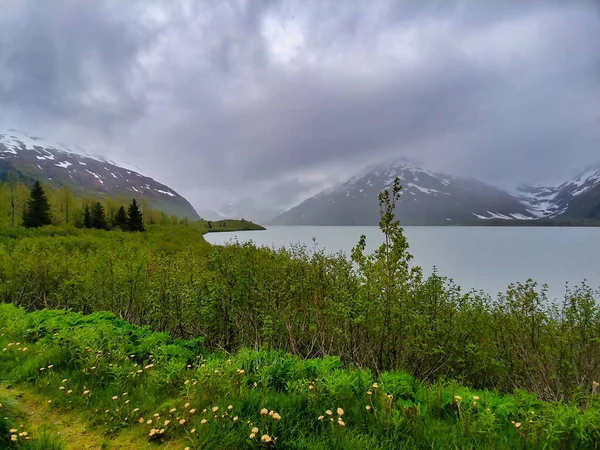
point(578, 198)
point(86, 173)
point(428, 198)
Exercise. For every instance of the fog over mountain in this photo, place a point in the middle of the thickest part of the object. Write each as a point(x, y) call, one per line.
point(274, 101)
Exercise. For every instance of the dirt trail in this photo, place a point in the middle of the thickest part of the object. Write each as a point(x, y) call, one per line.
point(71, 429)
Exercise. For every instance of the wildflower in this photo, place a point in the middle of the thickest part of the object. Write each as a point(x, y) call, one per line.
point(13, 437)
point(49, 401)
point(340, 412)
point(124, 394)
point(93, 368)
point(193, 430)
point(203, 411)
point(320, 418)
point(156, 414)
point(230, 407)
point(252, 436)
point(532, 413)
point(153, 431)
point(86, 392)
point(341, 423)
point(127, 402)
point(161, 431)
point(142, 420)
point(182, 422)
point(215, 408)
point(328, 412)
point(115, 397)
point(69, 392)
point(140, 371)
point(203, 421)
point(475, 398)
point(266, 438)
point(23, 434)
point(310, 387)
point(254, 384)
point(148, 422)
point(264, 412)
point(457, 398)
point(42, 369)
point(255, 430)
point(235, 419)
point(136, 410)
point(50, 366)
point(192, 411)
point(369, 393)
point(271, 413)
point(518, 425)
point(13, 430)
point(187, 405)
point(172, 410)
point(276, 416)
point(375, 386)
point(368, 407)
point(166, 422)
point(64, 381)
point(62, 388)
point(149, 366)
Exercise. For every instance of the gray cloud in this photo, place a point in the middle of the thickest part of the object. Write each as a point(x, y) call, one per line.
point(282, 98)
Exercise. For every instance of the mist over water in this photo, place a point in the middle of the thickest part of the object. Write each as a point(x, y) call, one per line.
point(486, 258)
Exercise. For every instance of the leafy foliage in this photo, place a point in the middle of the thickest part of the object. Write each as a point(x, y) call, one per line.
point(129, 377)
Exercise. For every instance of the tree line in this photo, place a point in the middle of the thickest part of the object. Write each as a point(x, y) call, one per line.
point(67, 207)
point(38, 213)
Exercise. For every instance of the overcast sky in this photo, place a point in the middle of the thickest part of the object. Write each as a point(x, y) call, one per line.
point(278, 99)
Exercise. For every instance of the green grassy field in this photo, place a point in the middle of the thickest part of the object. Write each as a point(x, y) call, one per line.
point(124, 379)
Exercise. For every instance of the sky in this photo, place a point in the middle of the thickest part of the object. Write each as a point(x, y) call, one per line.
point(276, 100)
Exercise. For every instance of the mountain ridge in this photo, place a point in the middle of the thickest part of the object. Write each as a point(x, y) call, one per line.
point(85, 172)
point(433, 198)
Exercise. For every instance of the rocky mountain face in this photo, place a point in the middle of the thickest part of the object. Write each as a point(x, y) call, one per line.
point(86, 173)
point(578, 198)
point(430, 198)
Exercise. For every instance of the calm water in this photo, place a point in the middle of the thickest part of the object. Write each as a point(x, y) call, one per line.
point(487, 258)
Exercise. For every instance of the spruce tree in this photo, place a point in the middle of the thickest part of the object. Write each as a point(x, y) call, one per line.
point(87, 217)
point(136, 221)
point(37, 212)
point(98, 219)
point(120, 220)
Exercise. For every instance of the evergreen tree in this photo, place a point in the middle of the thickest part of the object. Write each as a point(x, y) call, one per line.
point(120, 220)
point(98, 218)
point(136, 221)
point(37, 212)
point(87, 217)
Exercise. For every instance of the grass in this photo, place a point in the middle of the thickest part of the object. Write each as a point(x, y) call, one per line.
point(118, 380)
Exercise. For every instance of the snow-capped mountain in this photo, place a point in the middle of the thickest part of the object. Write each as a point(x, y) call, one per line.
point(86, 173)
point(428, 198)
point(576, 198)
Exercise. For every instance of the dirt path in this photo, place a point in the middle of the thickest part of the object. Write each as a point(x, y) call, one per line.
point(71, 429)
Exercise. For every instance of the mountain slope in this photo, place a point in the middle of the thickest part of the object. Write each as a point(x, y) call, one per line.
point(578, 198)
point(428, 198)
point(85, 173)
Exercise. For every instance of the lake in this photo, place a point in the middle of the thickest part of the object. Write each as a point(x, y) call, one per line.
point(487, 258)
